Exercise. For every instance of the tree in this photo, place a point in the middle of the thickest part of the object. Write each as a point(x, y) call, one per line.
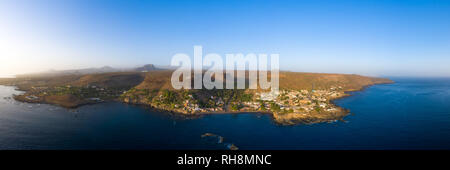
point(274, 107)
point(263, 107)
point(318, 109)
point(169, 97)
point(236, 107)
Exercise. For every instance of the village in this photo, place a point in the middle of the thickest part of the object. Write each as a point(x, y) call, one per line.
point(188, 102)
point(300, 101)
point(89, 93)
point(283, 101)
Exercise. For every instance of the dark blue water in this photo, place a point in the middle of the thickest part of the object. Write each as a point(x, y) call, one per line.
point(410, 114)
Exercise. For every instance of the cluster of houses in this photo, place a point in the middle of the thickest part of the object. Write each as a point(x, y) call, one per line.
point(300, 101)
point(293, 101)
point(190, 106)
point(34, 93)
point(296, 101)
point(89, 92)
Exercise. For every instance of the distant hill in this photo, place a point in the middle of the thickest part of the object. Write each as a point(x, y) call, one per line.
point(105, 69)
point(146, 68)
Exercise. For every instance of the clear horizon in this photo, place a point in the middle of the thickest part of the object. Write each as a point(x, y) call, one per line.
point(374, 38)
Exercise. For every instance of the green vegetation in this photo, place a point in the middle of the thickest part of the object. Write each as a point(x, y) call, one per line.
point(262, 105)
point(274, 107)
point(241, 96)
point(284, 97)
point(317, 109)
point(236, 107)
point(82, 92)
point(246, 97)
point(169, 97)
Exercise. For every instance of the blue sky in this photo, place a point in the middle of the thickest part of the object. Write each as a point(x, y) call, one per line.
point(378, 37)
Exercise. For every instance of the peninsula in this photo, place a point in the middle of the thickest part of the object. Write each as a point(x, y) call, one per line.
point(303, 97)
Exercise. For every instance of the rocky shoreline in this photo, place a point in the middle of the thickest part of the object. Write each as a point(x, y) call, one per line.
point(295, 103)
point(285, 118)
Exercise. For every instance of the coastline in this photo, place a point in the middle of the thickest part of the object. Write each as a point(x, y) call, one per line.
point(62, 104)
point(363, 105)
point(347, 92)
point(283, 118)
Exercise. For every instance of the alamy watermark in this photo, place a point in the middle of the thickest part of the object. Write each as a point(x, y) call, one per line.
point(234, 66)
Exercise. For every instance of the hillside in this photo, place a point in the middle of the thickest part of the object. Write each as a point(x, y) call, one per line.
point(318, 81)
point(121, 80)
point(288, 80)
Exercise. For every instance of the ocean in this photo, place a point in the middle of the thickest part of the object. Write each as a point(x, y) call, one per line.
point(413, 113)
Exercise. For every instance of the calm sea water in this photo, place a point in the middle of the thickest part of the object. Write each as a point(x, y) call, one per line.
point(410, 114)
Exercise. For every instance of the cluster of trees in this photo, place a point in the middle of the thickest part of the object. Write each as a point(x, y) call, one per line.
point(236, 106)
point(241, 96)
point(226, 95)
point(262, 105)
point(134, 93)
point(275, 107)
point(169, 97)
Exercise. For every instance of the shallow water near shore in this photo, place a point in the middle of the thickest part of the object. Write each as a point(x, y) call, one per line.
point(410, 114)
